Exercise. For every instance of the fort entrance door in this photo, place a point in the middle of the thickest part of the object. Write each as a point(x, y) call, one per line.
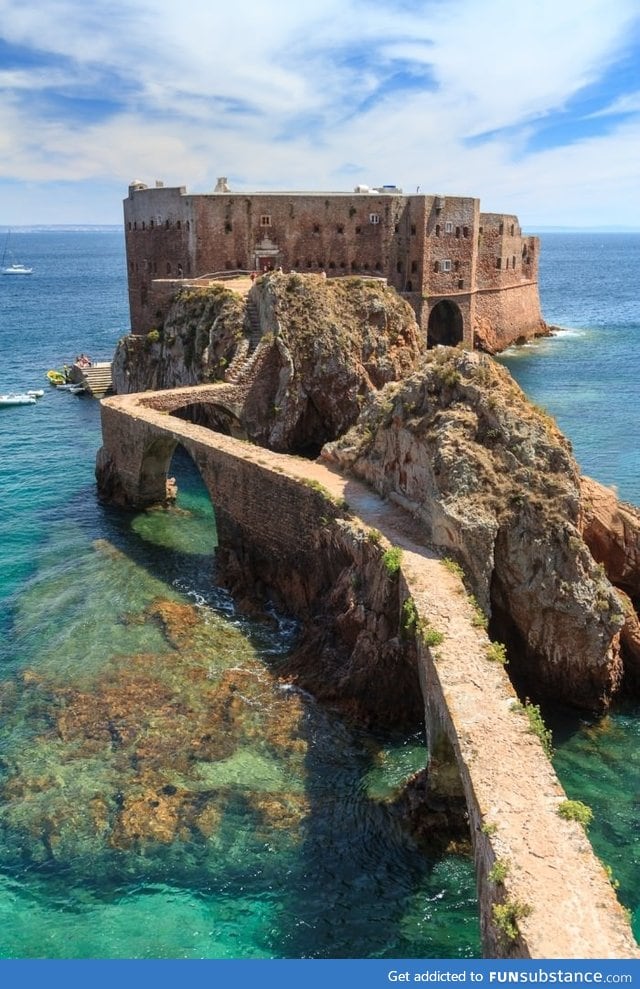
point(445, 325)
point(266, 255)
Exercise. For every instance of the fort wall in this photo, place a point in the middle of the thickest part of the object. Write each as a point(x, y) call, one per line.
point(429, 248)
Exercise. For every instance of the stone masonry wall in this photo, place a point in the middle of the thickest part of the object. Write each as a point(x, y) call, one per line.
point(511, 790)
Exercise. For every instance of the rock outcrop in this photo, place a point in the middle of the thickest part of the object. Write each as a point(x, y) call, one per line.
point(491, 481)
point(307, 350)
point(195, 344)
point(340, 365)
point(611, 530)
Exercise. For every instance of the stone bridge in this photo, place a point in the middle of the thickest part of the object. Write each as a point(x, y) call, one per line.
point(284, 510)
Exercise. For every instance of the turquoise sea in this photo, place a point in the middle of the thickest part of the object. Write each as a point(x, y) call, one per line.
point(163, 794)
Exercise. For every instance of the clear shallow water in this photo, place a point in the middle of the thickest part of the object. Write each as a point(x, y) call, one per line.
point(128, 828)
point(162, 793)
point(587, 377)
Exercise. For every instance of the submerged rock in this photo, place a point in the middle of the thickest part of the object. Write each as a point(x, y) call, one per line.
point(152, 753)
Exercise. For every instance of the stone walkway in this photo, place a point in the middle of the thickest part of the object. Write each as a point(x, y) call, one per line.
point(511, 788)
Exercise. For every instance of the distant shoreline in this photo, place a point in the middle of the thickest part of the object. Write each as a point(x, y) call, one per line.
point(63, 228)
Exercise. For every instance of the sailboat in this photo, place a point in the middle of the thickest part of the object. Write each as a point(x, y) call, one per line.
point(13, 268)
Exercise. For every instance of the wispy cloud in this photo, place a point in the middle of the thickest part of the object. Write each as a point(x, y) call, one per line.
point(529, 106)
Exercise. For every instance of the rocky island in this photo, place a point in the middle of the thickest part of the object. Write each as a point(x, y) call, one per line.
point(337, 373)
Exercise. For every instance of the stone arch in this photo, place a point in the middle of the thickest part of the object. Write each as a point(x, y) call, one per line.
point(212, 415)
point(154, 469)
point(446, 325)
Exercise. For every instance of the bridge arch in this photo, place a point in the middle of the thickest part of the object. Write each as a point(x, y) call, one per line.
point(446, 325)
point(212, 415)
point(291, 537)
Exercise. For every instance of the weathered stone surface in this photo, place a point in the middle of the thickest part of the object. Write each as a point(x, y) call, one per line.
point(195, 343)
point(491, 481)
point(611, 530)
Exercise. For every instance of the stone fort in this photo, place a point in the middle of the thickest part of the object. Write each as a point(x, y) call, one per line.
point(470, 277)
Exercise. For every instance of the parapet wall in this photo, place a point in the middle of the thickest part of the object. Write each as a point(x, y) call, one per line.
point(276, 518)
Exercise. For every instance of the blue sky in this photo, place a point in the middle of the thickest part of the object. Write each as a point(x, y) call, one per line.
point(532, 105)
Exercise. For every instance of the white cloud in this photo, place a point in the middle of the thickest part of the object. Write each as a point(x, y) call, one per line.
point(270, 95)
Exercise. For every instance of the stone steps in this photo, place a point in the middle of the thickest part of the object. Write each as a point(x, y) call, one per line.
point(245, 355)
point(97, 378)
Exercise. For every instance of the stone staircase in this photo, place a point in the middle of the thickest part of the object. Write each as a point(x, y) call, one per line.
point(96, 379)
point(244, 357)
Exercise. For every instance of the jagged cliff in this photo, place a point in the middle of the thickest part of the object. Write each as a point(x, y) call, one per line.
point(306, 351)
point(448, 435)
point(491, 481)
point(195, 344)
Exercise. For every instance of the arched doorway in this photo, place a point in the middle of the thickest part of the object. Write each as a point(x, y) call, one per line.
point(445, 325)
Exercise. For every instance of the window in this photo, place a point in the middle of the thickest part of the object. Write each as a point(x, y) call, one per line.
point(340, 228)
point(506, 263)
point(498, 263)
point(151, 224)
point(461, 283)
point(437, 229)
point(501, 228)
point(448, 227)
point(512, 229)
point(316, 227)
point(227, 227)
point(168, 267)
point(456, 265)
point(129, 224)
point(265, 220)
point(465, 231)
point(374, 218)
point(399, 267)
point(457, 231)
point(413, 229)
point(445, 265)
point(414, 266)
point(167, 224)
point(143, 225)
point(358, 229)
point(513, 261)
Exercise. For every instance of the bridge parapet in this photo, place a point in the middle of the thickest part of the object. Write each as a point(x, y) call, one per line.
point(549, 882)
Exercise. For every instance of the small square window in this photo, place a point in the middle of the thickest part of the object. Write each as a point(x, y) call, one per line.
point(374, 218)
point(448, 227)
point(265, 220)
point(445, 265)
